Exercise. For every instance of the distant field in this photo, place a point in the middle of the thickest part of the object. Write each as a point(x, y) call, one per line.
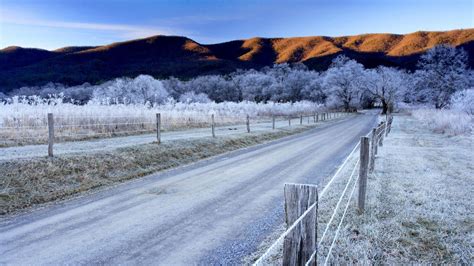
point(23, 122)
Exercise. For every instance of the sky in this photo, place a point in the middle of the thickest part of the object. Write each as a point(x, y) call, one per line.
point(52, 24)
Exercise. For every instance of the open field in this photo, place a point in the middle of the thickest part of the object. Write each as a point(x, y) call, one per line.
point(418, 210)
point(445, 121)
point(24, 120)
point(419, 205)
point(109, 144)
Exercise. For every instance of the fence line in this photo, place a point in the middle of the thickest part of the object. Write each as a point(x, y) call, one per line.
point(367, 154)
point(282, 236)
point(79, 128)
point(340, 223)
point(339, 170)
point(339, 202)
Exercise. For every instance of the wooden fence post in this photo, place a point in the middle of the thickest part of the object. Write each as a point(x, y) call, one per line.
point(301, 119)
point(363, 166)
point(300, 243)
point(289, 120)
point(390, 125)
point(377, 131)
point(273, 121)
point(317, 117)
point(308, 119)
point(158, 128)
point(382, 133)
point(373, 146)
point(314, 118)
point(248, 124)
point(50, 134)
point(213, 125)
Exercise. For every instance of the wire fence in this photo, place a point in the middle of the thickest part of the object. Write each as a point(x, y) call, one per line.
point(26, 130)
point(367, 155)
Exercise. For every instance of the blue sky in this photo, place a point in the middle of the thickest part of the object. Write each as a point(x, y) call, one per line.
point(52, 24)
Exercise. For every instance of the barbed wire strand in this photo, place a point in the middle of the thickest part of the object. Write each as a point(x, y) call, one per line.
point(260, 260)
point(338, 170)
point(339, 202)
point(332, 217)
point(340, 223)
point(282, 236)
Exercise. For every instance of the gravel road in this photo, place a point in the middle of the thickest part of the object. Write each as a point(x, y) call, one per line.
point(215, 211)
point(98, 145)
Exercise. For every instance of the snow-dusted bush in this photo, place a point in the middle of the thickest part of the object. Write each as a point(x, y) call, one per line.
point(463, 101)
point(445, 121)
point(192, 97)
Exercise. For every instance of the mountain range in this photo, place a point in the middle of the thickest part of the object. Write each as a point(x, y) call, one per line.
point(165, 56)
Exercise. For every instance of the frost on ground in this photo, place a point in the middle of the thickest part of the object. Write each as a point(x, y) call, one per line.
point(418, 209)
point(419, 205)
point(449, 122)
point(326, 204)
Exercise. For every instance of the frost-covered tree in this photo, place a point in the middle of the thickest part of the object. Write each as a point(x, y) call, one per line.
point(294, 83)
point(442, 71)
point(256, 86)
point(384, 84)
point(342, 81)
point(217, 87)
point(80, 94)
point(313, 90)
point(145, 89)
point(174, 87)
point(140, 90)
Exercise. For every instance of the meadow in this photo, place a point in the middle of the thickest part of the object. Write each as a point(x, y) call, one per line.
point(24, 119)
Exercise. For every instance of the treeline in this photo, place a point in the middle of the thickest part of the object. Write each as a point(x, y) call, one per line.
point(442, 79)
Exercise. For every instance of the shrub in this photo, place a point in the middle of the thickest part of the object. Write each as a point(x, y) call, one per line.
point(463, 101)
point(450, 122)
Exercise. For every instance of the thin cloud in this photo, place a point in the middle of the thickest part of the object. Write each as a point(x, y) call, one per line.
point(125, 31)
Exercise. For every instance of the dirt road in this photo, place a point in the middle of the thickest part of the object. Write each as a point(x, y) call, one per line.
point(212, 212)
